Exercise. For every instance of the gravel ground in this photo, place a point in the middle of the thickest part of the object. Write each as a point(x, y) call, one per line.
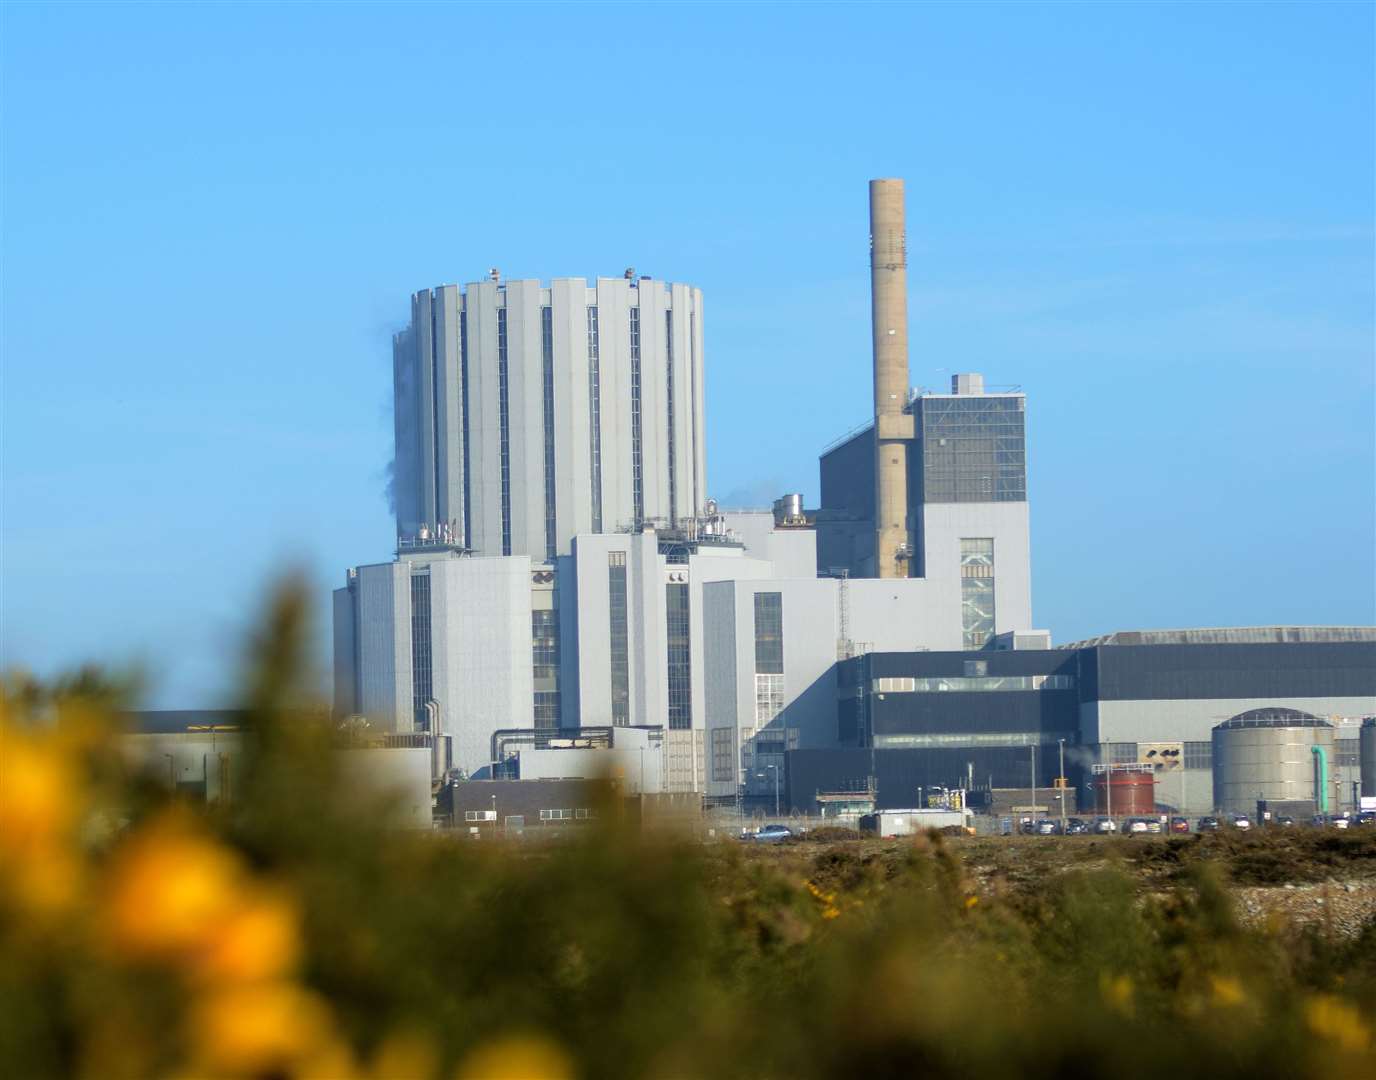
point(1341, 908)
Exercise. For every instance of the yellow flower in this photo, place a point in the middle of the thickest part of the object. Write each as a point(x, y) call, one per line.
point(39, 794)
point(257, 940)
point(1333, 1018)
point(517, 1057)
point(1227, 990)
point(971, 901)
point(259, 1029)
point(171, 891)
point(1117, 992)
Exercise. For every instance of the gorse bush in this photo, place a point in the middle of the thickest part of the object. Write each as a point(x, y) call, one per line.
point(288, 935)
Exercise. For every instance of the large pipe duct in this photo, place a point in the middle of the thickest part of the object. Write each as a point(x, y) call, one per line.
point(893, 427)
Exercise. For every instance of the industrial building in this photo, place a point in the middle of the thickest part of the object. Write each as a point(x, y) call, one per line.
point(560, 572)
point(528, 414)
point(1149, 698)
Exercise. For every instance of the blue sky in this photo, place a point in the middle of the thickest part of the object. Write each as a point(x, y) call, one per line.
point(1158, 220)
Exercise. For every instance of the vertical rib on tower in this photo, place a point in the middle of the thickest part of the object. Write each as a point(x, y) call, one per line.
point(893, 428)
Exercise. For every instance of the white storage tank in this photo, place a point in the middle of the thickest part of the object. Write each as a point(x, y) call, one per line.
point(1277, 754)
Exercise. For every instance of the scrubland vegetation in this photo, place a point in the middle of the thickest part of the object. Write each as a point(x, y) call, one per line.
point(288, 936)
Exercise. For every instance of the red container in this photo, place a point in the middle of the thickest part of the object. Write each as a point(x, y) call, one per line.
point(1133, 793)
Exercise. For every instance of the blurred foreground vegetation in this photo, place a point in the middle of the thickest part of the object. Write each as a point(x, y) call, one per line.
point(288, 936)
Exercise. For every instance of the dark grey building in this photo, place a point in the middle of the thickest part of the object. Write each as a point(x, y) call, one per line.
point(1149, 697)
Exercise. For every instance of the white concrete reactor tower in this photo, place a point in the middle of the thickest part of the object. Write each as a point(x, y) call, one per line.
point(893, 426)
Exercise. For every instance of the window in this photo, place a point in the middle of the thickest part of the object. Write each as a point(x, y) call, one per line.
point(504, 425)
point(769, 698)
point(556, 815)
point(544, 644)
point(769, 633)
point(547, 381)
point(546, 709)
point(973, 448)
point(669, 377)
point(422, 675)
point(637, 470)
point(976, 591)
point(724, 755)
point(1199, 755)
point(480, 815)
point(680, 680)
point(953, 684)
point(463, 367)
point(976, 668)
point(620, 649)
point(1119, 753)
point(964, 739)
point(595, 429)
point(693, 401)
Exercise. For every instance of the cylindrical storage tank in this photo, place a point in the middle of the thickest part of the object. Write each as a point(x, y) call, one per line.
point(1368, 757)
point(788, 510)
point(1125, 793)
point(1269, 754)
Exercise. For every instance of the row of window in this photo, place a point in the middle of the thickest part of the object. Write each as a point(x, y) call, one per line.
point(942, 684)
point(620, 639)
point(680, 663)
point(976, 591)
point(567, 815)
point(422, 666)
point(504, 423)
point(547, 385)
point(595, 400)
point(637, 464)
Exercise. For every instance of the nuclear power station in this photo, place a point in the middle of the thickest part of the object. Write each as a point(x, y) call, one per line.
point(564, 585)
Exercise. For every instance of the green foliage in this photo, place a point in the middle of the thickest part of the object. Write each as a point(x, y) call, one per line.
point(639, 956)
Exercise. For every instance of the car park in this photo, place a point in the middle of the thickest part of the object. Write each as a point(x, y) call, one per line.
point(1207, 824)
point(1180, 824)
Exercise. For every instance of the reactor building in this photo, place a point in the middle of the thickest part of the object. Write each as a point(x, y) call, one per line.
point(561, 575)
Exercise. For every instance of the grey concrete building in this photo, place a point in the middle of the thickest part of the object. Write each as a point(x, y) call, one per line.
point(528, 414)
point(967, 507)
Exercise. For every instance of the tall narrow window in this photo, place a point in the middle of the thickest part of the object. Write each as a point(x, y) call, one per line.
point(680, 656)
point(544, 649)
point(976, 591)
point(595, 428)
point(769, 656)
point(620, 639)
point(441, 437)
point(637, 475)
point(422, 676)
point(504, 422)
point(547, 379)
point(693, 403)
point(669, 373)
point(463, 400)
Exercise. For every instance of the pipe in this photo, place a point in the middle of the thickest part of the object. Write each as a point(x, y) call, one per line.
point(893, 428)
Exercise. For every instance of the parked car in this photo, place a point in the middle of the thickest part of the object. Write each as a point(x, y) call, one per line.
point(1366, 818)
point(1241, 821)
point(1075, 827)
point(1207, 824)
point(1285, 821)
point(1134, 826)
point(1105, 825)
point(1180, 824)
point(1339, 821)
point(767, 834)
point(1047, 827)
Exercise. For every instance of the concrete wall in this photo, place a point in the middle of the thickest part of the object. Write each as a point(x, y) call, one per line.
point(635, 771)
point(430, 464)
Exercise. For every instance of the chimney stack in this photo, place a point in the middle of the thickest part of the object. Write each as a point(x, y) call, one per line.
point(893, 427)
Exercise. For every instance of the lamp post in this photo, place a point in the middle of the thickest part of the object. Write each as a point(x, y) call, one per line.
point(1033, 810)
point(1064, 789)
